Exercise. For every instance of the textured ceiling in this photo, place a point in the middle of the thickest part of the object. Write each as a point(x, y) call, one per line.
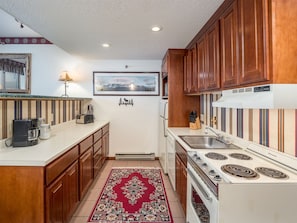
point(81, 26)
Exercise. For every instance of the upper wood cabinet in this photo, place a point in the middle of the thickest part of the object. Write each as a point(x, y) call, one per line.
point(253, 42)
point(205, 62)
point(212, 57)
point(190, 71)
point(201, 71)
point(179, 105)
point(228, 43)
point(247, 42)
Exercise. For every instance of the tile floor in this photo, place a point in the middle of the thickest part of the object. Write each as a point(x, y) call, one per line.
point(86, 206)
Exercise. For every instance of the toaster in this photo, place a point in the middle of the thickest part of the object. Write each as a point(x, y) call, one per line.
point(84, 118)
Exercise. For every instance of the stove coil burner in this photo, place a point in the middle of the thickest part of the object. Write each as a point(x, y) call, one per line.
point(216, 156)
point(269, 172)
point(240, 156)
point(239, 171)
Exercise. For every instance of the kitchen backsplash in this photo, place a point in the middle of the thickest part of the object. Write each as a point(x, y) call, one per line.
point(53, 111)
point(274, 128)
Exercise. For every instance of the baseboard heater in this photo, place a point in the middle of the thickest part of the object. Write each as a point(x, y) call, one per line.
point(135, 156)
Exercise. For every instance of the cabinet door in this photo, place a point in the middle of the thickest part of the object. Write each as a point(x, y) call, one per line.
point(194, 80)
point(252, 43)
point(55, 205)
point(188, 72)
point(105, 146)
point(72, 190)
point(228, 34)
point(190, 75)
point(86, 171)
point(212, 57)
point(201, 64)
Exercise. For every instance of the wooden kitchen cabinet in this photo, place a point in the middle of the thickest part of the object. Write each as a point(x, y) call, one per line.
point(228, 43)
point(56, 201)
point(206, 63)
point(245, 43)
point(212, 57)
point(105, 142)
point(97, 152)
point(257, 44)
point(86, 171)
point(179, 105)
point(72, 189)
point(209, 59)
point(201, 60)
point(50, 193)
point(62, 196)
point(190, 71)
point(181, 175)
point(253, 41)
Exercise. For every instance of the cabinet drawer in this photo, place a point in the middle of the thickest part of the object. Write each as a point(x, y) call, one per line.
point(97, 135)
point(97, 145)
point(105, 129)
point(85, 144)
point(54, 169)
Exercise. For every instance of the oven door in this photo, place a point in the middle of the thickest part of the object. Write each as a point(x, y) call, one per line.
point(202, 205)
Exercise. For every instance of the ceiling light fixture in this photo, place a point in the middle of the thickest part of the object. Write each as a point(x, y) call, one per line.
point(156, 28)
point(105, 45)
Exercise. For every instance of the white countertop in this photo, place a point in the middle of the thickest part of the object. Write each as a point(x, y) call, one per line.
point(63, 137)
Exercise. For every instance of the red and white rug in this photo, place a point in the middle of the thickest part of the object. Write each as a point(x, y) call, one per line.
point(132, 195)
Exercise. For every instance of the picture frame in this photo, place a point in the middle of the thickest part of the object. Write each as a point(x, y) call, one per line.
point(126, 83)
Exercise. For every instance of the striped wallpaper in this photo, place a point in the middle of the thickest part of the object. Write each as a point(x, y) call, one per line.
point(274, 128)
point(53, 111)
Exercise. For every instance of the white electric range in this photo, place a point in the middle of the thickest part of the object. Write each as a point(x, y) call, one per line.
point(241, 185)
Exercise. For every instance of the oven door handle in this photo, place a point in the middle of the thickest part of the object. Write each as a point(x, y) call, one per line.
point(201, 188)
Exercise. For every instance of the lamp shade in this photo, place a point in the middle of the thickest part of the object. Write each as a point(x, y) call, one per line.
point(65, 76)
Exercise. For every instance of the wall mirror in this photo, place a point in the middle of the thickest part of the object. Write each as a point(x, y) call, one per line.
point(15, 73)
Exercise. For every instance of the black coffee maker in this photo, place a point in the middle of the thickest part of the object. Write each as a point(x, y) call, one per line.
point(25, 132)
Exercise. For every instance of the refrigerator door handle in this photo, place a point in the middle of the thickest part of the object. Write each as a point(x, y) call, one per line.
point(164, 112)
point(164, 128)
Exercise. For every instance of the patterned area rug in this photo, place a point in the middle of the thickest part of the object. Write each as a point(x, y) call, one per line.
point(132, 195)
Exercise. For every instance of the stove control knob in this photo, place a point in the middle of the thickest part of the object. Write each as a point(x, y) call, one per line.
point(217, 178)
point(204, 165)
point(212, 172)
point(198, 158)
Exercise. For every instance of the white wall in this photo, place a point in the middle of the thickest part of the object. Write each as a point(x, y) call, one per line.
point(48, 61)
point(132, 128)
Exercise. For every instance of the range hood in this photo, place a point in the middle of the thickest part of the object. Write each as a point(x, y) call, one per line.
point(271, 96)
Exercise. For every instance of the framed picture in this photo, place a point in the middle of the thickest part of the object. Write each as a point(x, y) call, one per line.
point(126, 83)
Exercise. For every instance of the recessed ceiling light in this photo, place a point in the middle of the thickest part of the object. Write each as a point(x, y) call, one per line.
point(105, 45)
point(156, 28)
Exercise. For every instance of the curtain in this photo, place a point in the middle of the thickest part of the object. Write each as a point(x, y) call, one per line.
point(12, 66)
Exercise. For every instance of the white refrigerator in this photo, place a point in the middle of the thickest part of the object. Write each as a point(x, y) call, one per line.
point(163, 125)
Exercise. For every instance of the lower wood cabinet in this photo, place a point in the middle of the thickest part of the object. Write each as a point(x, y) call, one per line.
point(62, 196)
point(105, 142)
point(51, 193)
point(181, 175)
point(85, 172)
